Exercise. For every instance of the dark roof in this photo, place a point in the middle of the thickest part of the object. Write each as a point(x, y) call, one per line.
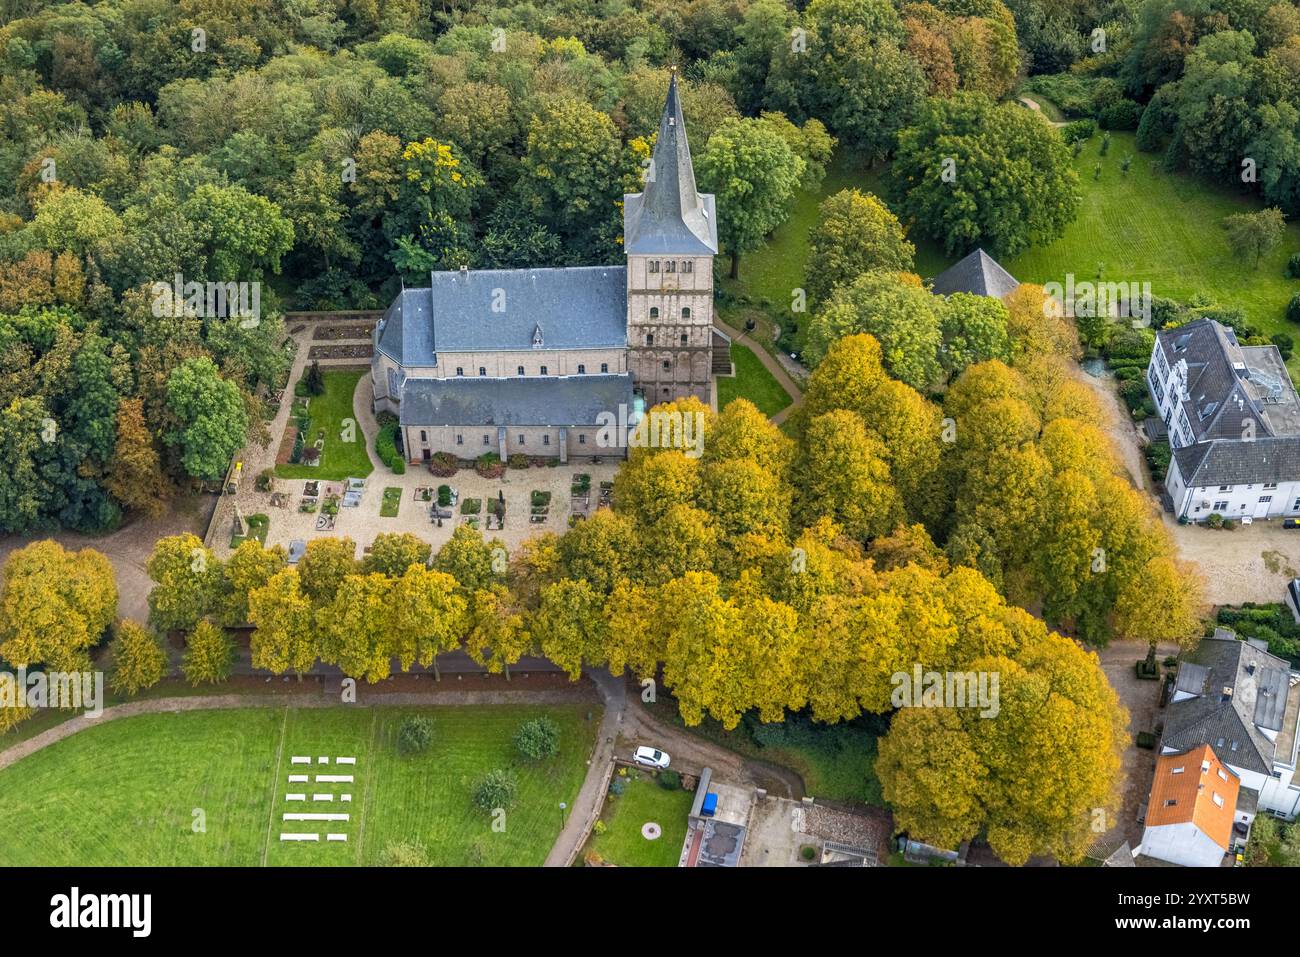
point(671, 216)
point(1229, 384)
point(494, 310)
point(978, 273)
point(517, 400)
point(1240, 691)
point(1236, 462)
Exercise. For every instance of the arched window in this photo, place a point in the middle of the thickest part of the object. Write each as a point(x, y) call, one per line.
point(519, 370)
point(654, 312)
point(686, 312)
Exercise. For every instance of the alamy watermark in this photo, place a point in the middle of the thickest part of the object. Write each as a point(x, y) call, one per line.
point(209, 300)
point(947, 689)
point(656, 429)
point(77, 690)
point(1122, 300)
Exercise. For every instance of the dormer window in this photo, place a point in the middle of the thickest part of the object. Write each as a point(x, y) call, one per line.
point(537, 337)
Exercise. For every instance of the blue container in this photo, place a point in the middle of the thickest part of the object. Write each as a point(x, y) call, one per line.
point(710, 804)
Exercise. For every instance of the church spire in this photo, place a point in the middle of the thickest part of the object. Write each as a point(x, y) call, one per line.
point(671, 215)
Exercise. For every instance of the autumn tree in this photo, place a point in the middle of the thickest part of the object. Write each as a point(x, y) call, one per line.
point(281, 615)
point(54, 605)
point(323, 566)
point(135, 475)
point(249, 568)
point(845, 477)
point(188, 582)
point(209, 655)
point(355, 627)
point(139, 660)
point(428, 616)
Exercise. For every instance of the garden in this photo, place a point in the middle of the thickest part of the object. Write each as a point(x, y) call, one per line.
point(329, 434)
point(636, 799)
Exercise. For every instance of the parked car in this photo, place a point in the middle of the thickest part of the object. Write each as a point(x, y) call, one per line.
point(1291, 523)
point(651, 757)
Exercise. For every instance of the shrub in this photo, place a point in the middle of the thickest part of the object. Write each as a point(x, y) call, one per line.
point(1146, 740)
point(398, 467)
point(264, 480)
point(670, 780)
point(1293, 308)
point(1147, 671)
point(538, 738)
point(313, 380)
point(310, 454)
point(471, 506)
point(387, 442)
point(518, 461)
point(497, 790)
point(444, 495)
point(404, 854)
point(617, 786)
point(1285, 344)
point(807, 852)
point(443, 464)
point(1078, 131)
point(1158, 455)
point(1120, 115)
point(415, 735)
point(489, 465)
point(1293, 266)
point(1214, 520)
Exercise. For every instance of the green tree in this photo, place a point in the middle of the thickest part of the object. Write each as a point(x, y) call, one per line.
point(970, 173)
point(188, 583)
point(754, 174)
point(211, 416)
point(281, 615)
point(974, 330)
point(855, 233)
point(1252, 236)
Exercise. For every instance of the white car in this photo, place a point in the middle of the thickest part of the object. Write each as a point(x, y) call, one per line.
point(651, 757)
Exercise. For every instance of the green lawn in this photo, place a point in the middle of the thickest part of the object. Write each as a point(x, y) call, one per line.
point(1162, 228)
point(340, 459)
point(392, 502)
point(623, 814)
point(127, 792)
point(258, 525)
point(752, 381)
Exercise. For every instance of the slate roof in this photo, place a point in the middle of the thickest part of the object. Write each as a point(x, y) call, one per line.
point(1229, 384)
point(517, 400)
point(978, 273)
point(494, 310)
point(1234, 462)
point(1240, 691)
point(670, 216)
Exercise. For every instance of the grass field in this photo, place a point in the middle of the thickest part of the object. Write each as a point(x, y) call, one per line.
point(128, 792)
point(392, 502)
point(623, 814)
point(752, 381)
point(1162, 228)
point(339, 459)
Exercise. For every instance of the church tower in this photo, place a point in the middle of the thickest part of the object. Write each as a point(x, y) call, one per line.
point(670, 236)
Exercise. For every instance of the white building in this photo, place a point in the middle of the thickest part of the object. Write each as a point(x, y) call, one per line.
point(1233, 419)
point(1244, 703)
point(1189, 818)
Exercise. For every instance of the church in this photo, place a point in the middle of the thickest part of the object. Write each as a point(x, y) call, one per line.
point(534, 361)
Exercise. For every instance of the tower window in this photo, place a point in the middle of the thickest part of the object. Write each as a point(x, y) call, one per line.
point(667, 365)
point(581, 368)
point(649, 338)
point(670, 266)
point(686, 312)
point(519, 370)
point(688, 266)
point(654, 265)
point(654, 312)
point(685, 338)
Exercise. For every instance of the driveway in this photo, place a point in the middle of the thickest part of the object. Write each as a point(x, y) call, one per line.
point(1250, 563)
